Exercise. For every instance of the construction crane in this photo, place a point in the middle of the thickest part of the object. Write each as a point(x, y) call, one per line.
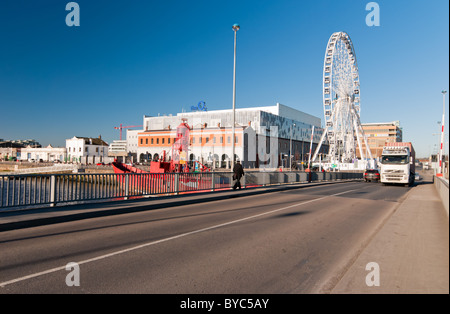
point(125, 127)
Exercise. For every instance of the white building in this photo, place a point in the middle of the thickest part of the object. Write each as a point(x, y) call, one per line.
point(46, 154)
point(118, 150)
point(87, 150)
point(211, 133)
point(132, 144)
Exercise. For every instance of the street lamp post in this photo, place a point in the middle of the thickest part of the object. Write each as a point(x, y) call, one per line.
point(290, 149)
point(235, 29)
point(441, 154)
point(434, 150)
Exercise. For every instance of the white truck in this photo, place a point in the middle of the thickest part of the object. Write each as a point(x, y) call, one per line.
point(398, 163)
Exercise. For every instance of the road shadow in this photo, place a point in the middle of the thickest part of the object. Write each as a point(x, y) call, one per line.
point(288, 215)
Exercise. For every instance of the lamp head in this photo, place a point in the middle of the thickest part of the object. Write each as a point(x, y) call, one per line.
point(236, 27)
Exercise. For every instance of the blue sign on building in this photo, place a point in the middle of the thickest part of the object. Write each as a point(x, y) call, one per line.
point(201, 106)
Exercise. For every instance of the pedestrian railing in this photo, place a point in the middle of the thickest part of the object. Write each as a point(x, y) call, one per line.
point(28, 191)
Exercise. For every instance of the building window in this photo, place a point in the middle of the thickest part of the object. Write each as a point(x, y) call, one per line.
point(162, 140)
point(193, 140)
point(86, 150)
point(200, 140)
point(214, 140)
point(168, 140)
point(79, 149)
point(152, 141)
point(221, 140)
point(206, 139)
point(157, 140)
point(142, 141)
point(96, 150)
point(146, 141)
point(229, 139)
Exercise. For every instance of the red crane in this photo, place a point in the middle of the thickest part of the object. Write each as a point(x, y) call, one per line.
point(125, 127)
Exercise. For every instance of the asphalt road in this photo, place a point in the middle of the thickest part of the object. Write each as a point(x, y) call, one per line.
point(296, 241)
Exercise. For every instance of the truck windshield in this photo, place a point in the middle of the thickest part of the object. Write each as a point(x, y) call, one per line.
point(394, 159)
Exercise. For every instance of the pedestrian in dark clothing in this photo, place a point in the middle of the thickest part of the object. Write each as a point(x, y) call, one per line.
point(238, 172)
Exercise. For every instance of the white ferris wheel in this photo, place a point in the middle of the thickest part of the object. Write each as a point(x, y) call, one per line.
point(342, 102)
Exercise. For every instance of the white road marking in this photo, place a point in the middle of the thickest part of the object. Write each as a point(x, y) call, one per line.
point(3, 284)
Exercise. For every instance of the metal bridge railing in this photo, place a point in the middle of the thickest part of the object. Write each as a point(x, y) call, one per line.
point(28, 191)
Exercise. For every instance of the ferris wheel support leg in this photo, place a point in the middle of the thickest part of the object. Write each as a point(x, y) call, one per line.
point(358, 129)
point(368, 148)
point(320, 144)
point(369, 153)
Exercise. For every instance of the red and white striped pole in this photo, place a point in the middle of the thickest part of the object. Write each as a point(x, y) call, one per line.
point(441, 154)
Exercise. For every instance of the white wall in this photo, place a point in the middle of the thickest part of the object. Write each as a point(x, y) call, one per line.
point(132, 140)
point(77, 148)
point(45, 153)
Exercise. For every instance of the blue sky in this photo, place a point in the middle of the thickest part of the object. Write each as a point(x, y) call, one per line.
point(133, 58)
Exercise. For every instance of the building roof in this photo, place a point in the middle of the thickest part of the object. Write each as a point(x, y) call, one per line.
point(277, 110)
point(394, 123)
point(16, 144)
point(93, 140)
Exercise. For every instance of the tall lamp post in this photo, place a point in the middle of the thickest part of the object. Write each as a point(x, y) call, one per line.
point(441, 154)
point(290, 149)
point(235, 29)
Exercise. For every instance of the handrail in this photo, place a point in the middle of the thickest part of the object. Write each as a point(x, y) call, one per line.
point(31, 190)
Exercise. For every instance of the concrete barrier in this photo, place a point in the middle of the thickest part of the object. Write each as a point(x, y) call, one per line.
point(441, 186)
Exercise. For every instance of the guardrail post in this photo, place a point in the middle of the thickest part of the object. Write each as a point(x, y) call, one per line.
point(52, 190)
point(127, 186)
point(212, 181)
point(177, 183)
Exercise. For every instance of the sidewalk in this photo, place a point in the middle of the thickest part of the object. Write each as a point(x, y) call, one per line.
point(411, 249)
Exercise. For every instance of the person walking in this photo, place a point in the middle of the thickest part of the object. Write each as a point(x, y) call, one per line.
point(238, 172)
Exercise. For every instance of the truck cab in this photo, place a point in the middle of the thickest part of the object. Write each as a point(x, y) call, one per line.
point(398, 165)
